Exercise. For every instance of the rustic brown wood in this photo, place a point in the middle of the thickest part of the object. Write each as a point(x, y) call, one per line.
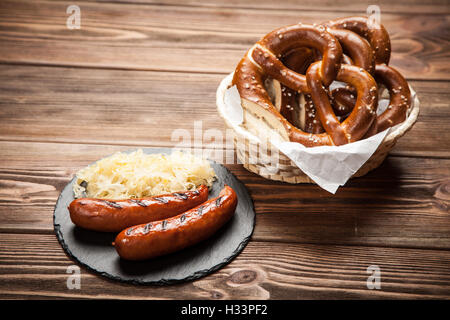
point(78, 105)
point(264, 270)
point(139, 69)
point(402, 6)
point(130, 36)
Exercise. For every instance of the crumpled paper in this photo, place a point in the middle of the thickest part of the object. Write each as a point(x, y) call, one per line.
point(328, 166)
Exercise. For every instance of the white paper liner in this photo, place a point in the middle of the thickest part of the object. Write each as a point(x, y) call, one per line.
point(328, 166)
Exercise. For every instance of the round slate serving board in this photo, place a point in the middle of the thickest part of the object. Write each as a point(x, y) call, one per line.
point(94, 250)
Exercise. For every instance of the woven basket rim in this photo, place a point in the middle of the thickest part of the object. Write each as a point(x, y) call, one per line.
point(395, 134)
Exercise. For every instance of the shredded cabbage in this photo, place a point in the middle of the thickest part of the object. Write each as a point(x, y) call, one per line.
point(138, 175)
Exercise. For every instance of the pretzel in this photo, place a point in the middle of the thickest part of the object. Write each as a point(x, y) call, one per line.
point(375, 33)
point(359, 50)
point(249, 80)
point(399, 99)
point(364, 112)
point(269, 49)
point(283, 82)
point(360, 54)
point(346, 59)
point(343, 99)
point(400, 95)
point(285, 99)
point(312, 122)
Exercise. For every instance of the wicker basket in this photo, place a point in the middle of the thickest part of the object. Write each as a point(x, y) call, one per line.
point(247, 148)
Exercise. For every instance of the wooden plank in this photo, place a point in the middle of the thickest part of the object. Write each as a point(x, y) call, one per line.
point(402, 6)
point(133, 108)
point(204, 39)
point(34, 266)
point(307, 243)
point(404, 203)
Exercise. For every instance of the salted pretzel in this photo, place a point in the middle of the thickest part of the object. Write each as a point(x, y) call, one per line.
point(359, 53)
point(400, 100)
point(343, 99)
point(287, 100)
point(374, 32)
point(284, 79)
point(359, 121)
point(357, 35)
point(284, 98)
point(266, 53)
point(400, 97)
point(263, 61)
point(377, 36)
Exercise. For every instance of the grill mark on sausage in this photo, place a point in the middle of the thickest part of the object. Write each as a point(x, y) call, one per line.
point(182, 196)
point(147, 228)
point(138, 202)
point(164, 225)
point(200, 210)
point(183, 218)
point(218, 201)
point(129, 231)
point(163, 200)
point(112, 204)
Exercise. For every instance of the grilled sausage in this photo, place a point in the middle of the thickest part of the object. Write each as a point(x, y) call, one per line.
point(116, 215)
point(162, 237)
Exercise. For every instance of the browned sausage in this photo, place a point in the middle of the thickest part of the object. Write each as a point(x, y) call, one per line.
point(116, 215)
point(158, 238)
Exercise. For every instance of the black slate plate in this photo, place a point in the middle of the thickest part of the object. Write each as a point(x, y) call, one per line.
point(94, 251)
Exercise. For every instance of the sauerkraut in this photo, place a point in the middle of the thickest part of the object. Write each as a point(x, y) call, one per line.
point(138, 175)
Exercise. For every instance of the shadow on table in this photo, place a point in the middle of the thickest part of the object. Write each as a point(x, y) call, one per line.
point(365, 207)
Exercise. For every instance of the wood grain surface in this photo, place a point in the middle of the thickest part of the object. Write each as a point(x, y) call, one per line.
point(138, 70)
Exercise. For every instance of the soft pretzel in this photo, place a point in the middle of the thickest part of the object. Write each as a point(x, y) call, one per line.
point(269, 49)
point(284, 79)
point(400, 97)
point(300, 59)
point(359, 53)
point(343, 99)
point(375, 33)
point(358, 49)
point(312, 122)
point(262, 60)
point(249, 80)
point(364, 112)
point(285, 99)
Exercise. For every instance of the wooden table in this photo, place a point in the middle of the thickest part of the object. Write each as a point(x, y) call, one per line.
point(138, 70)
